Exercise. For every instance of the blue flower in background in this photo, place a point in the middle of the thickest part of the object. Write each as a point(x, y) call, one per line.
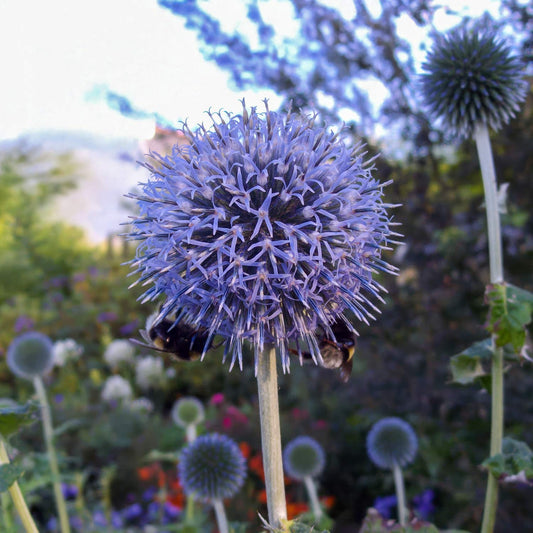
point(391, 441)
point(303, 457)
point(423, 503)
point(262, 229)
point(385, 504)
point(471, 77)
point(212, 467)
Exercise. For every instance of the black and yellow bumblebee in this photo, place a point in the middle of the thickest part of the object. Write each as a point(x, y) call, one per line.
point(338, 353)
point(182, 341)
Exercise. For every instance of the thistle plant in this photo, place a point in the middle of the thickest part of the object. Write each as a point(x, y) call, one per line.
point(212, 468)
point(473, 82)
point(304, 459)
point(30, 356)
point(187, 413)
point(119, 351)
point(261, 230)
point(392, 444)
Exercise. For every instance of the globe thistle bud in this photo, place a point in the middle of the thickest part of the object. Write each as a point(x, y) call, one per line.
point(303, 457)
point(116, 389)
point(212, 467)
point(150, 372)
point(66, 350)
point(262, 230)
point(119, 351)
point(391, 441)
point(471, 77)
point(187, 411)
point(30, 355)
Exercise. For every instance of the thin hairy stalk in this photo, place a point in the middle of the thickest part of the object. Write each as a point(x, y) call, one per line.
point(52, 457)
point(18, 498)
point(267, 385)
point(400, 494)
point(220, 513)
point(488, 173)
point(310, 485)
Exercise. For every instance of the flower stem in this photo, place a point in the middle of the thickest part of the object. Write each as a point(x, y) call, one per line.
point(190, 433)
point(488, 174)
point(400, 493)
point(267, 385)
point(52, 458)
point(18, 498)
point(220, 513)
point(313, 497)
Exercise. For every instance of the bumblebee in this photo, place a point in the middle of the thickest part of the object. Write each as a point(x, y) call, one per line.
point(182, 341)
point(336, 354)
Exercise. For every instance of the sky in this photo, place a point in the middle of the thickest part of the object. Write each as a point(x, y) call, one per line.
point(54, 53)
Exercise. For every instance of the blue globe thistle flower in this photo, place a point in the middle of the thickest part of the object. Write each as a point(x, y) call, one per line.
point(391, 441)
point(303, 457)
point(212, 467)
point(30, 355)
point(261, 230)
point(472, 77)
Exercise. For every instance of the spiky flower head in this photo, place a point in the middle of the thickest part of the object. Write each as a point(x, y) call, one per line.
point(260, 230)
point(303, 457)
point(119, 351)
point(150, 372)
point(66, 350)
point(472, 77)
point(212, 467)
point(188, 410)
point(117, 389)
point(30, 355)
point(391, 441)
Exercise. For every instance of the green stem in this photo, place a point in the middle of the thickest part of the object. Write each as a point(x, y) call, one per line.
point(220, 513)
point(313, 497)
point(189, 511)
point(496, 436)
point(488, 173)
point(52, 458)
point(18, 498)
point(400, 494)
point(267, 385)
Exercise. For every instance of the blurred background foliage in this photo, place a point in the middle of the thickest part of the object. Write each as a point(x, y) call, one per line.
point(53, 281)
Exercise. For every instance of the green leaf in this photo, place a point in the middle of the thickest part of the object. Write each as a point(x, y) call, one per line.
point(510, 310)
point(467, 366)
point(516, 459)
point(12, 418)
point(9, 473)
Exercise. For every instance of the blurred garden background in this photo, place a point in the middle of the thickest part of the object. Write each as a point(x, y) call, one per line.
point(62, 256)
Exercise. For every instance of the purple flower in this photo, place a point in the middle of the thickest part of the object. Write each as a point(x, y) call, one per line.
point(132, 513)
point(69, 491)
point(423, 503)
point(385, 504)
point(106, 316)
point(262, 230)
point(22, 323)
point(212, 467)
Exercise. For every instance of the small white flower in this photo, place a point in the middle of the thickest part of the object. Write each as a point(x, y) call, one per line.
point(66, 350)
point(119, 351)
point(149, 372)
point(116, 388)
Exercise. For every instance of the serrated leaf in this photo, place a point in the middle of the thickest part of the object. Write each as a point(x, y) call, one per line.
point(510, 310)
point(9, 473)
point(516, 459)
point(12, 418)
